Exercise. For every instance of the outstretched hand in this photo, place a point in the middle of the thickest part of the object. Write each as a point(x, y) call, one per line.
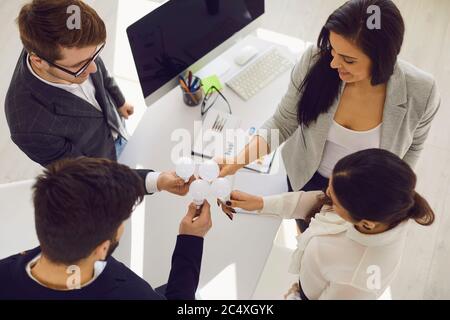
point(228, 167)
point(170, 182)
point(242, 200)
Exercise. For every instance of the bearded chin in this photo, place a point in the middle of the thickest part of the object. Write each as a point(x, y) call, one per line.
point(111, 249)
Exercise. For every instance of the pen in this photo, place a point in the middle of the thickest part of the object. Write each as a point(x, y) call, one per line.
point(194, 84)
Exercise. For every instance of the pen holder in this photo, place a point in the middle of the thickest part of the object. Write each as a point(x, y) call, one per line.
point(191, 97)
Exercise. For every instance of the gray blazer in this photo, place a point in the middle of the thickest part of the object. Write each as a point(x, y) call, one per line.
point(412, 102)
point(49, 123)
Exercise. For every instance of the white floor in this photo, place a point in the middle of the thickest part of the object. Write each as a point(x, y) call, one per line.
point(424, 273)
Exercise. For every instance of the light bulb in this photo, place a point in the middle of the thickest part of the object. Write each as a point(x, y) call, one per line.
point(209, 170)
point(199, 191)
point(185, 168)
point(221, 188)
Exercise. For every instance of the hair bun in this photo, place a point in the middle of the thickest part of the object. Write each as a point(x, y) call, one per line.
point(421, 211)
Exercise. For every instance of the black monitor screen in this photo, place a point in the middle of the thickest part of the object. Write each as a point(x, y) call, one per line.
point(180, 32)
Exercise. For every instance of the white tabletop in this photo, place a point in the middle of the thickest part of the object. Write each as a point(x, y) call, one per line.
point(235, 251)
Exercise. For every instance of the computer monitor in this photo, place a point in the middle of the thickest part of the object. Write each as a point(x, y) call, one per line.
point(183, 35)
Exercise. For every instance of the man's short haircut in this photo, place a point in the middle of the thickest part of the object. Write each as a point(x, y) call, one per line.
point(44, 31)
point(80, 203)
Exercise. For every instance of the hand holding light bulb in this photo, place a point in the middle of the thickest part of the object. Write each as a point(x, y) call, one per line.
point(209, 184)
point(197, 222)
point(242, 200)
point(221, 188)
point(199, 191)
point(169, 181)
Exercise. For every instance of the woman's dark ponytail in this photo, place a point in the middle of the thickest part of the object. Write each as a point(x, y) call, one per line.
point(421, 211)
point(377, 185)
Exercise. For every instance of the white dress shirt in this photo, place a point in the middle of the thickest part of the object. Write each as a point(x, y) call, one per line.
point(151, 182)
point(333, 259)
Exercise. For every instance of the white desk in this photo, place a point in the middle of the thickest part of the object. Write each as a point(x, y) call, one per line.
point(235, 252)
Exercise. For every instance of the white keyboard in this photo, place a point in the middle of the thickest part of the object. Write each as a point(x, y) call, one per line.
point(259, 73)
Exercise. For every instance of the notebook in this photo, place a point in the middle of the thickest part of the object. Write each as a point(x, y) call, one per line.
point(221, 135)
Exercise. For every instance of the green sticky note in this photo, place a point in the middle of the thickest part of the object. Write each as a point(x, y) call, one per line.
point(211, 81)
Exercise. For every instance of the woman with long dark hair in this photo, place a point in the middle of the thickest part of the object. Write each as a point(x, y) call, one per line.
point(349, 93)
point(353, 246)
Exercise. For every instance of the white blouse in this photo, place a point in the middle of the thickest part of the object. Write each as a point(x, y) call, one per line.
point(333, 259)
point(342, 142)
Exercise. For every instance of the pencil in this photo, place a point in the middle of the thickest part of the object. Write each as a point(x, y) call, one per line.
point(185, 88)
point(190, 80)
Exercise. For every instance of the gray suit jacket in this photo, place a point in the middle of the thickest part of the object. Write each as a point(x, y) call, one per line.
point(49, 123)
point(412, 102)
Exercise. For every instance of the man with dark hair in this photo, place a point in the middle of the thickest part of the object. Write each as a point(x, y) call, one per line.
point(80, 209)
point(62, 102)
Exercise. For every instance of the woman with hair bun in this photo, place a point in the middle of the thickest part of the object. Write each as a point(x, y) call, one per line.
point(356, 237)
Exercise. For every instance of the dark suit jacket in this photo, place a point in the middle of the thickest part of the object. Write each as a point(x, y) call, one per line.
point(115, 282)
point(49, 123)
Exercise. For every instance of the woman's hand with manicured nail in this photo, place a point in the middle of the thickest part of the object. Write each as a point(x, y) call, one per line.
point(242, 200)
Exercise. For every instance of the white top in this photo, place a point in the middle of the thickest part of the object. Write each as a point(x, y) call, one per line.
point(333, 259)
point(342, 142)
point(85, 91)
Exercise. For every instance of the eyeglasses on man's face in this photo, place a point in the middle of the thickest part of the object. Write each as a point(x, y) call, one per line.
point(76, 74)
